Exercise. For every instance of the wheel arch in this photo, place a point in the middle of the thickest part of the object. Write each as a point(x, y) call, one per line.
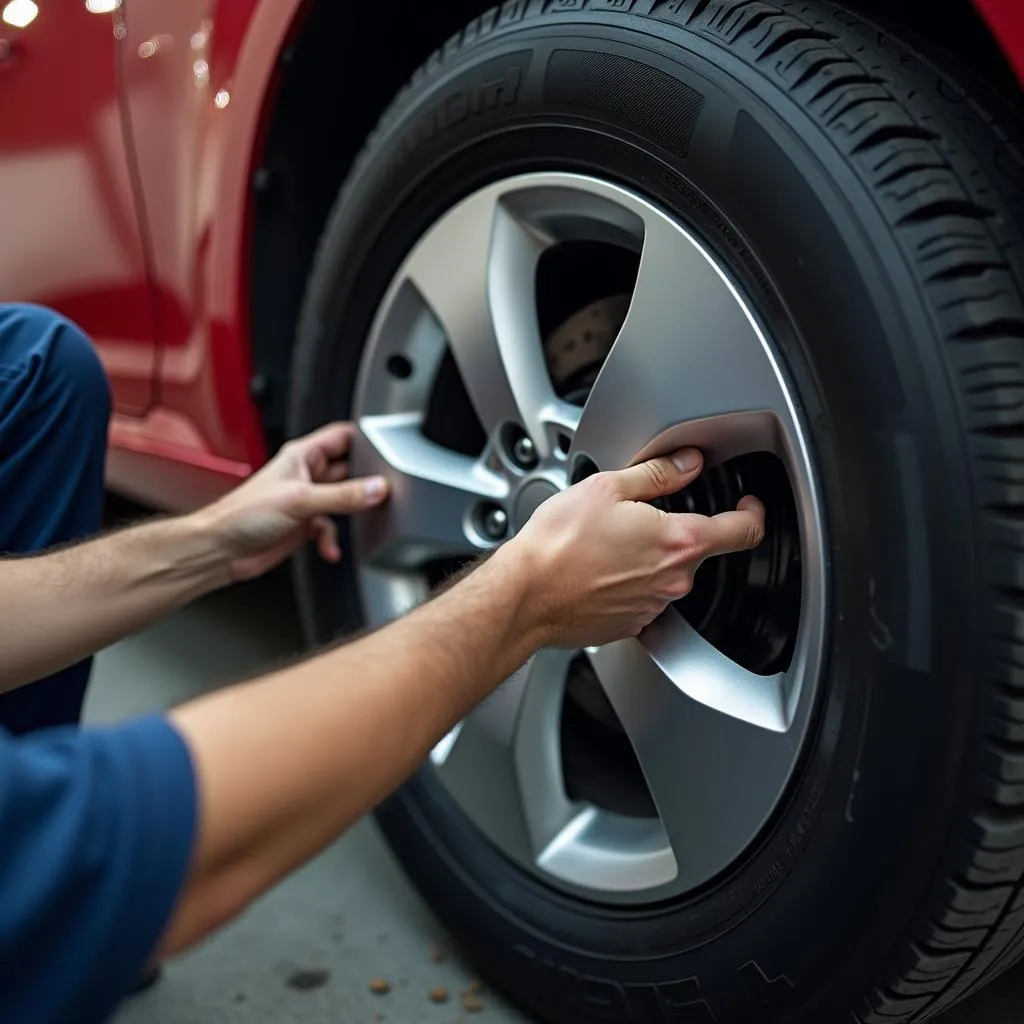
point(311, 132)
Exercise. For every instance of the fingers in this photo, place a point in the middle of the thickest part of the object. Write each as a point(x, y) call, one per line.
point(323, 531)
point(659, 477)
point(338, 499)
point(731, 531)
point(332, 441)
point(317, 469)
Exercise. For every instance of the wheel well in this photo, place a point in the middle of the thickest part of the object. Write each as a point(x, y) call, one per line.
point(340, 73)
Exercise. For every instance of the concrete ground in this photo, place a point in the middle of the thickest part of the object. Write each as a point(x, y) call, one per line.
point(308, 952)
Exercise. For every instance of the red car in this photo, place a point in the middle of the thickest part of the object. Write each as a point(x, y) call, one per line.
point(523, 243)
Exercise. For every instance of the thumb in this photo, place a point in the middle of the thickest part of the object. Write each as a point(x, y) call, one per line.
point(343, 498)
point(659, 477)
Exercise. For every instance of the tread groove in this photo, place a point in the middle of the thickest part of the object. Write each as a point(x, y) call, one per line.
point(751, 25)
point(946, 208)
point(894, 133)
point(815, 68)
point(966, 271)
point(1005, 327)
point(793, 35)
point(699, 8)
point(839, 83)
point(898, 175)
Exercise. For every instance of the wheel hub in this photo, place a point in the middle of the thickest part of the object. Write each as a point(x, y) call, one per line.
point(531, 496)
point(547, 325)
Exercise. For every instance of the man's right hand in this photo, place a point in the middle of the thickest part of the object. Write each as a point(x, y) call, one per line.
point(603, 563)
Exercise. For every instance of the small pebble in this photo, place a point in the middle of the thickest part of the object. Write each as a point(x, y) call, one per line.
point(472, 1004)
point(306, 981)
point(380, 986)
point(439, 995)
point(474, 988)
point(437, 955)
point(380, 1016)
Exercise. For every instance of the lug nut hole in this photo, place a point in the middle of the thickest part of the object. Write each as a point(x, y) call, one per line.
point(492, 521)
point(519, 447)
point(400, 367)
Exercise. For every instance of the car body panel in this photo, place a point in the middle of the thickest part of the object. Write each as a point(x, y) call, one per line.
point(71, 232)
point(1006, 20)
point(199, 76)
point(151, 155)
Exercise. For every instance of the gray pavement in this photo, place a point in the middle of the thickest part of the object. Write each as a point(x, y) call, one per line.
point(307, 952)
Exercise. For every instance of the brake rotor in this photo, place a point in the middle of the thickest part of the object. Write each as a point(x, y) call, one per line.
point(577, 348)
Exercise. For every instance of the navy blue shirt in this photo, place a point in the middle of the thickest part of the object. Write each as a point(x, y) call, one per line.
point(96, 834)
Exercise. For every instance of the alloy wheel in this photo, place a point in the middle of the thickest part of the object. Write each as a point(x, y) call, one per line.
point(642, 769)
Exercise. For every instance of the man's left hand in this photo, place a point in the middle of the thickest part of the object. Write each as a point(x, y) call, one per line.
point(291, 500)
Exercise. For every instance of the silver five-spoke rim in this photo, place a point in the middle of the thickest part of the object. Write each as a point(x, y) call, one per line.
point(717, 744)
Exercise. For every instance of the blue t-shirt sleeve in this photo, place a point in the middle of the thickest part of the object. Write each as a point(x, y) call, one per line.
point(96, 835)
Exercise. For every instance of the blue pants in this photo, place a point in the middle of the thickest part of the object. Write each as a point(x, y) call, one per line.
point(54, 413)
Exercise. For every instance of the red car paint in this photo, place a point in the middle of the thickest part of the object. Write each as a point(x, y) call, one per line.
point(1006, 19)
point(127, 146)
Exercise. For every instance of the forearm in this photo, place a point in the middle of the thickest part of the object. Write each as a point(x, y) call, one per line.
point(58, 608)
point(288, 763)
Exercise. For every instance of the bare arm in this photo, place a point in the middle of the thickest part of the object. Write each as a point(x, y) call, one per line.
point(288, 763)
point(58, 608)
point(284, 765)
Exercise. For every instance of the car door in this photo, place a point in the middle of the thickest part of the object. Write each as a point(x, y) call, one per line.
point(70, 231)
point(179, 57)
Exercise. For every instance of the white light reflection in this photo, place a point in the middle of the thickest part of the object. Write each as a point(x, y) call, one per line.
point(20, 13)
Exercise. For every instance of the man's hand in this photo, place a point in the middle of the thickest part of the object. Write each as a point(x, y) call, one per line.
point(604, 563)
point(291, 500)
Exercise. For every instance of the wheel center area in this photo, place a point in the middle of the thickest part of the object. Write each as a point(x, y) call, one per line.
point(531, 496)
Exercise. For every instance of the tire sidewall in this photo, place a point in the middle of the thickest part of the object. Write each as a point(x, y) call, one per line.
point(839, 872)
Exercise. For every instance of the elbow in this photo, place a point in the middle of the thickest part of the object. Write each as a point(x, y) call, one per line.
point(208, 902)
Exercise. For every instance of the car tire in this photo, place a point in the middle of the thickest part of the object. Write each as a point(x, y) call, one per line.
point(869, 205)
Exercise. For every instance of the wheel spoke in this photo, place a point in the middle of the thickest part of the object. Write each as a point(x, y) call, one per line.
point(705, 674)
point(434, 492)
point(713, 777)
point(689, 365)
point(387, 592)
point(502, 763)
point(476, 270)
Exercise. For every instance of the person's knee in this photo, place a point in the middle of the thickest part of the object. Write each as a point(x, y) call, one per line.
point(54, 416)
point(60, 365)
point(77, 370)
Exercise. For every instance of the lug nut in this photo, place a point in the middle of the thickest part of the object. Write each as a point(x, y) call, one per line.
point(524, 452)
point(495, 523)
